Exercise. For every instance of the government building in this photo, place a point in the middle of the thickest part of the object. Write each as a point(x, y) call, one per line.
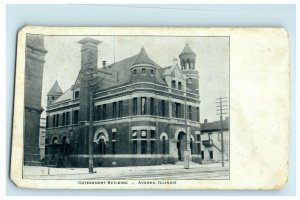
point(140, 112)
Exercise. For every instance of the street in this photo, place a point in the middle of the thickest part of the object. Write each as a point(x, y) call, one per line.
point(159, 172)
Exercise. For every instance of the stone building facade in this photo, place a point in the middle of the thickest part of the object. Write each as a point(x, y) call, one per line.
point(211, 150)
point(34, 66)
point(138, 111)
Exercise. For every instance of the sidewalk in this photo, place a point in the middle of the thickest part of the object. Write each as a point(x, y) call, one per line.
point(134, 172)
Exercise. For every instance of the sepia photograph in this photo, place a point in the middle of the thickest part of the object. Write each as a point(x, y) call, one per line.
point(126, 107)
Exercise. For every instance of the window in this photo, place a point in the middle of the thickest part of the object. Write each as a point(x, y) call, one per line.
point(198, 137)
point(98, 112)
point(144, 134)
point(57, 120)
point(135, 106)
point(152, 134)
point(76, 117)
point(114, 109)
point(190, 80)
point(152, 72)
point(143, 71)
point(209, 136)
point(134, 143)
point(113, 147)
point(163, 109)
point(152, 147)
point(104, 111)
point(134, 135)
point(53, 121)
point(67, 118)
point(63, 119)
point(211, 155)
point(173, 84)
point(177, 109)
point(134, 72)
point(190, 112)
point(197, 114)
point(53, 97)
point(199, 148)
point(114, 136)
point(134, 147)
point(143, 147)
point(202, 155)
point(77, 95)
point(179, 86)
point(120, 108)
point(143, 105)
point(152, 106)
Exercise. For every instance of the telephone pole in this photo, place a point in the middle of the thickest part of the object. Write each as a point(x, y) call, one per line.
point(187, 145)
point(221, 110)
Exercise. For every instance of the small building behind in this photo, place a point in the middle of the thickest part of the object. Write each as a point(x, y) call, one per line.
point(211, 148)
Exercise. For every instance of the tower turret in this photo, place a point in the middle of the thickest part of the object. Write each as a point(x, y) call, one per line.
point(187, 62)
point(54, 93)
point(143, 69)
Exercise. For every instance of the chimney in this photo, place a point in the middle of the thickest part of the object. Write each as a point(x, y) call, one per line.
point(104, 63)
point(89, 52)
point(205, 121)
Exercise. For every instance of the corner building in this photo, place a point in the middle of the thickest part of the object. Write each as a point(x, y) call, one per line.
point(138, 112)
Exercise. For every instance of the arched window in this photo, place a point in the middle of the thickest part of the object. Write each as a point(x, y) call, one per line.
point(188, 64)
point(134, 72)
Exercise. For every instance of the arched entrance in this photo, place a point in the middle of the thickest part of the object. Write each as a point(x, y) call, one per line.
point(100, 139)
point(180, 145)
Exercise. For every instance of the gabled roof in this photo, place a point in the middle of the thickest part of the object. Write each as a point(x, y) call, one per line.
point(143, 58)
point(55, 90)
point(187, 50)
point(118, 74)
point(65, 96)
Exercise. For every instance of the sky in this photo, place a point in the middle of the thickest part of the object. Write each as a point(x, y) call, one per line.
point(212, 61)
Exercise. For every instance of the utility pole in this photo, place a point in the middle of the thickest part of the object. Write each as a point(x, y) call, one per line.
point(221, 110)
point(91, 79)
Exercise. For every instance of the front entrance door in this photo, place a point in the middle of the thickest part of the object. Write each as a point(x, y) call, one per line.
point(180, 145)
point(101, 146)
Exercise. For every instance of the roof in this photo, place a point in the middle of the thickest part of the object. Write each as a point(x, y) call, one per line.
point(55, 90)
point(117, 74)
point(187, 50)
point(143, 58)
point(65, 96)
point(214, 126)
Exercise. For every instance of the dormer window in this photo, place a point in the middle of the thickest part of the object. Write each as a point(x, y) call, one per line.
point(179, 86)
point(152, 72)
point(143, 71)
point(77, 95)
point(134, 72)
point(173, 84)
